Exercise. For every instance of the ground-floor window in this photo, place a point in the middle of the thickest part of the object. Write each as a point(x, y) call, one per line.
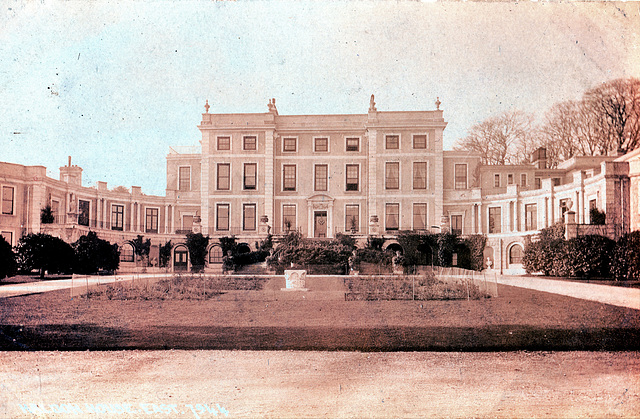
point(419, 216)
point(288, 218)
point(392, 219)
point(352, 218)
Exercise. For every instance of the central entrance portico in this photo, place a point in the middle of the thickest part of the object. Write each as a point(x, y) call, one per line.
point(320, 219)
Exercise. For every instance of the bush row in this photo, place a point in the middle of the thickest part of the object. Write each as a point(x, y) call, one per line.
point(584, 256)
point(44, 252)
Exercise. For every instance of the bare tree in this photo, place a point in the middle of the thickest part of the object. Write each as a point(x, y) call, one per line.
point(502, 139)
point(616, 107)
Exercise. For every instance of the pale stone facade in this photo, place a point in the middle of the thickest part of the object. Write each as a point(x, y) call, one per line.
point(365, 174)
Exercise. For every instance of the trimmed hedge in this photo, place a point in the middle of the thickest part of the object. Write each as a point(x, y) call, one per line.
point(333, 255)
point(625, 262)
point(438, 249)
point(588, 256)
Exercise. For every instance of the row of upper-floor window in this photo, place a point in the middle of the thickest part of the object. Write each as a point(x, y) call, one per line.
point(523, 181)
point(392, 174)
point(321, 176)
point(322, 144)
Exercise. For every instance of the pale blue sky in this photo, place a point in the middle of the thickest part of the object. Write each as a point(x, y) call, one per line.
point(115, 84)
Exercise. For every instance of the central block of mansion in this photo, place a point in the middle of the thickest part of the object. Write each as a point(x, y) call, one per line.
point(367, 174)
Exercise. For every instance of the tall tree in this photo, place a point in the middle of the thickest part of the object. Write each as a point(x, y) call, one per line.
point(616, 107)
point(503, 139)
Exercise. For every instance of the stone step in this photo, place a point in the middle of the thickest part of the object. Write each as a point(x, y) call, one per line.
point(312, 283)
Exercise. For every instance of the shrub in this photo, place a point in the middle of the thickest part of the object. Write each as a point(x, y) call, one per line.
point(164, 254)
point(377, 256)
point(625, 261)
point(7, 259)
point(197, 245)
point(417, 247)
point(438, 249)
point(296, 251)
point(45, 253)
point(583, 256)
point(589, 256)
point(46, 215)
point(597, 217)
point(475, 245)
point(374, 243)
point(233, 259)
point(141, 248)
point(94, 254)
point(540, 256)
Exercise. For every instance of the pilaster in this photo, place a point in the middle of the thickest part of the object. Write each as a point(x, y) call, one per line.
point(439, 175)
point(38, 197)
point(204, 181)
point(372, 187)
point(269, 157)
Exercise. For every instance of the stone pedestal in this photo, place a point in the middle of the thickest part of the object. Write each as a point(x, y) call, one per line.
point(264, 227)
point(374, 225)
point(295, 280)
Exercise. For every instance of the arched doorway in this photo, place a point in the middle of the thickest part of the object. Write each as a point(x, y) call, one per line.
point(395, 247)
point(243, 248)
point(180, 258)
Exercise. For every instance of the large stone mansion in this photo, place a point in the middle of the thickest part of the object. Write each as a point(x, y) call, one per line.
point(377, 173)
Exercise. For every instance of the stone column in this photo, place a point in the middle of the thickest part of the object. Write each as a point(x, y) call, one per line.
point(140, 219)
point(172, 226)
point(474, 208)
point(166, 219)
point(133, 209)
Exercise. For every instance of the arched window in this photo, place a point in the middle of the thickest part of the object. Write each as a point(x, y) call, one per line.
point(126, 252)
point(515, 254)
point(215, 254)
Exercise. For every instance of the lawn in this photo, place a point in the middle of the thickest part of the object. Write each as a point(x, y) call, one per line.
point(519, 319)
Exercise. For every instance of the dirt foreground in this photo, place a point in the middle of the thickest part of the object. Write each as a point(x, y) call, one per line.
point(206, 384)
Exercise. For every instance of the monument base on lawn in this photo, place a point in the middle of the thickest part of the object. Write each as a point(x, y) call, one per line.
point(295, 280)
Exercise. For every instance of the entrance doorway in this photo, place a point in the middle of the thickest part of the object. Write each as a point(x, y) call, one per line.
point(320, 224)
point(180, 259)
